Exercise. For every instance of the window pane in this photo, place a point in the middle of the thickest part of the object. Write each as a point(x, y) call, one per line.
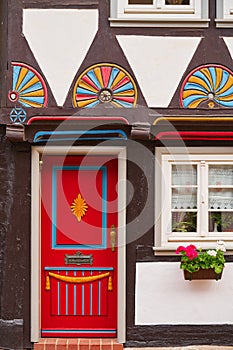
point(184, 221)
point(140, 2)
point(221, 221)
point(220, 175)
point(221, 198)
point(184, 174)
point(184, 198)
point(177, 2)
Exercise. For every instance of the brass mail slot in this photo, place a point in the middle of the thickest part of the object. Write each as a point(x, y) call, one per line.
point(78, 259)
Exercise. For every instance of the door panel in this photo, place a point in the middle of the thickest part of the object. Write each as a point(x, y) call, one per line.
point(79, 260)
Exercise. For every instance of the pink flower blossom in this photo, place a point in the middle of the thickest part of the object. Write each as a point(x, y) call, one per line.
point(180, 249)
point(192, 246)
point(191, 252)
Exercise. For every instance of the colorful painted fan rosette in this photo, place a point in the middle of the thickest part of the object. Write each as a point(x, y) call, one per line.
point(28, 86)
point(105, 83)
point(208, 86)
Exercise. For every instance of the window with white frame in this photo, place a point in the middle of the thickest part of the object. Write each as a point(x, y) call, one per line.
point(224, 13)
point(194, 197)
point(188, 13)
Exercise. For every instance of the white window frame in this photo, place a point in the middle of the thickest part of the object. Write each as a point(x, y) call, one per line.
point(165, 241)
point(159, 14)
point(224, 14)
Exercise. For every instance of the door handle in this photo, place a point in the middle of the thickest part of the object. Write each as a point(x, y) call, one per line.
point(113, 237)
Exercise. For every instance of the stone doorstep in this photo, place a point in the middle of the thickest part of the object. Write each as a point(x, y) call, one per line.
point(77, 344)
point(108, 344)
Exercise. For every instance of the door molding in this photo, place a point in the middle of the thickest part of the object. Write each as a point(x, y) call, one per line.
point(37, 154)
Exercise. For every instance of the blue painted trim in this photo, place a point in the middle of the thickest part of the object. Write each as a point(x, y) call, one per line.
point(43, 134)
point(58, 298)
point(99, 298)
point(103, 169)
point(104, 205)
point(91, 297)
point(91, 300)
point(83, 297)
point(67, 297)
point(75, 296)
point(53, 268)
point(54, 206)
point(80, 331)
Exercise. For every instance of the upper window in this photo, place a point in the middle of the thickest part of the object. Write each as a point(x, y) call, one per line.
point(159, 13)
point(224, 13)
point(194, 198)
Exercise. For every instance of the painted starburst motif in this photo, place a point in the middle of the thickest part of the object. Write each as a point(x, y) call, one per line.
point(79, 207)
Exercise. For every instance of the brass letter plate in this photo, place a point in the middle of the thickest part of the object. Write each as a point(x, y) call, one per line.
point(78, 259)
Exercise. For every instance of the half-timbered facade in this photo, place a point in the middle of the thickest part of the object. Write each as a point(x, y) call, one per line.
point(116, 147)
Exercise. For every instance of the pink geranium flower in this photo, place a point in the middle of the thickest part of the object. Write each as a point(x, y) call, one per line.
point(191, 251)
point(192, 246)
point(180, 249)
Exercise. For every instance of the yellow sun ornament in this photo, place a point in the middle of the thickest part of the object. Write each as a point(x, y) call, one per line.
point(79, 207)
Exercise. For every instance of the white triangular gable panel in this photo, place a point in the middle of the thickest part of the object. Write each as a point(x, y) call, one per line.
point(229, 43)
point(158, 64)
point(59, 40)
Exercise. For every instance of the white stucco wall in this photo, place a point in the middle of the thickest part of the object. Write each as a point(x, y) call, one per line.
point(164, 297)
point(160, 69)
point(229, 42)
point(60, 40)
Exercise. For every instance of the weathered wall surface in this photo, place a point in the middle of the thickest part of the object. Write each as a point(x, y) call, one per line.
point(14, 241)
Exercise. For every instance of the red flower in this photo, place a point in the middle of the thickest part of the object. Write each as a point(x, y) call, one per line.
point(191, 252)
point(180, 249)
point(192, 246)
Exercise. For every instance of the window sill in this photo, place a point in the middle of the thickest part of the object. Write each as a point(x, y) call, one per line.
point(161, 22)
point(171, 249)
point(159, 11)
point(224, 23)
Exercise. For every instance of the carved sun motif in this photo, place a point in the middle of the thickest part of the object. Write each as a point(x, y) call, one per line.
point(79, 207)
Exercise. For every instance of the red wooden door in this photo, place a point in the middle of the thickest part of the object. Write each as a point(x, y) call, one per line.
point(78, 252)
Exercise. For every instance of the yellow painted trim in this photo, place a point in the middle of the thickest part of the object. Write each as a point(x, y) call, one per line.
point(83, 103)
point(33, 93)
point(22, 75)
point(86, 279)
point(31, 103)
point(99, 76)
point(193, 119)
point(30, 83)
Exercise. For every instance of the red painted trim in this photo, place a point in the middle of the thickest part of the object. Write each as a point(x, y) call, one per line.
point(39, 76)
point(195, 135)
point(196, 69)
point(33, 119)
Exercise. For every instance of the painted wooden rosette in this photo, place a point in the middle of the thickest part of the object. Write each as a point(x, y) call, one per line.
point(209, 86)
point(104, 83)
point(28, 86)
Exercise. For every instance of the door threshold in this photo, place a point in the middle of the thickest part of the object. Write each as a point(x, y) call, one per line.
point(78, 344)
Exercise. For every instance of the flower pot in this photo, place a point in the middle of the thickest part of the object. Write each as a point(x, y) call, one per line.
point(202, 274)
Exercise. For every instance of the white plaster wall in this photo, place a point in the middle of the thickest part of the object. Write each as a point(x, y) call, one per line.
point(160, 68)
point(229, 43)
point(60, 40)
point(164, 297)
